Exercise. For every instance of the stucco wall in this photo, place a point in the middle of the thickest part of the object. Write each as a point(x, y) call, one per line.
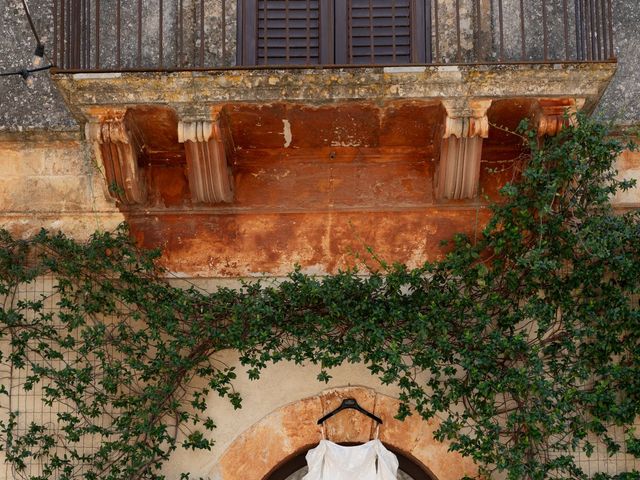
point(48, 181)
point(628, 167)
point(620, 101)
point(22, 108)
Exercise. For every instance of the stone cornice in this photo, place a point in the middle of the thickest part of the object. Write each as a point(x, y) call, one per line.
point(85, 91)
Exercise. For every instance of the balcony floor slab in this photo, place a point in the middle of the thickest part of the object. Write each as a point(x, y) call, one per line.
point(89, 94)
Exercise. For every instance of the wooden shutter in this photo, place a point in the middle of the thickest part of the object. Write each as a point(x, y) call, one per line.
point(311, 32)
point(288, 32)
point(382, 31)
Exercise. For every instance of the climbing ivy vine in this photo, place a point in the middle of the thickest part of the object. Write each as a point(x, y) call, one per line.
point(525, 341)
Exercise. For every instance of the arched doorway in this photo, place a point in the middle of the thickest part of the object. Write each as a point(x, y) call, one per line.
point(273, 448)
point(295, 469)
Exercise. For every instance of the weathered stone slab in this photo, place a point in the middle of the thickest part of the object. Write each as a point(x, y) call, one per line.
point(89, 94)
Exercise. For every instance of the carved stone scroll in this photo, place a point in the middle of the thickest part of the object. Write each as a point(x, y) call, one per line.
point(206, 146)
point(465, 127)
point(117, 155)
point(556, 113)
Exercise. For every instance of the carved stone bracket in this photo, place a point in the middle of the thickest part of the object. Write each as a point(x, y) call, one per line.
point(466, 125)
point(554, 114)
point(207, 145)
point(466, 118)
point(117, 155)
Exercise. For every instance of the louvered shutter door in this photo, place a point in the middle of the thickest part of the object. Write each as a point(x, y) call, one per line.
point(311, 32)
point(380, 31)
point(288, 32)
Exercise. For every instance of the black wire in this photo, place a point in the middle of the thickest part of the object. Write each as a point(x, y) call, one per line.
point(24, 71)
point(33, 27)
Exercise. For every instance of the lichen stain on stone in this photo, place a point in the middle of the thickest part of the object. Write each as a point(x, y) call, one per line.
point(330, 85)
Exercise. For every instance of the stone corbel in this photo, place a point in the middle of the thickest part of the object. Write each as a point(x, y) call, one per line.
point(466, 118)
point(553, 114)
point(117, 155)
point(208, 145)
point(466, 125)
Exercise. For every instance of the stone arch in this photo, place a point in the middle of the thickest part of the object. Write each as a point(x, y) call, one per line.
point(292, 429)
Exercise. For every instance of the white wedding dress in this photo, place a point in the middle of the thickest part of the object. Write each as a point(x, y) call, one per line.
point(369, 461)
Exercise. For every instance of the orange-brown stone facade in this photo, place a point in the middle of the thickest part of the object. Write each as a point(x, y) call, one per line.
point(292, 429)
point(317, 185)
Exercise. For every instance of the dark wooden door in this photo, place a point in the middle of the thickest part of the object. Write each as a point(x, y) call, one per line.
point(334, 32)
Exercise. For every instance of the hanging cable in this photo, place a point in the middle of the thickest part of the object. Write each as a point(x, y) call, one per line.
point(38, 54)
point(26, 70)
point(26, 73)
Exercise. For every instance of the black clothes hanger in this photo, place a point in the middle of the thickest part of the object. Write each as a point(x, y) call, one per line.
point(350, 403)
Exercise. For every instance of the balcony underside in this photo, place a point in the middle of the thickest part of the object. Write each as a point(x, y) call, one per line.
point(207, 119)
point(220, 161)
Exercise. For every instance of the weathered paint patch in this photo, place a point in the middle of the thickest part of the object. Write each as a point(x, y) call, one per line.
point(156, 128)
point(271, 243)
point(286, 133)
point(314, 179)
point(628, 167)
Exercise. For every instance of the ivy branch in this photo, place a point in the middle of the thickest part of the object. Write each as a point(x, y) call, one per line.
point(525, 342)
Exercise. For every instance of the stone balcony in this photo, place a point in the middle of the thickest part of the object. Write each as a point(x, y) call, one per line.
point(220, 160)
point(208, 118)
point(210, 145)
